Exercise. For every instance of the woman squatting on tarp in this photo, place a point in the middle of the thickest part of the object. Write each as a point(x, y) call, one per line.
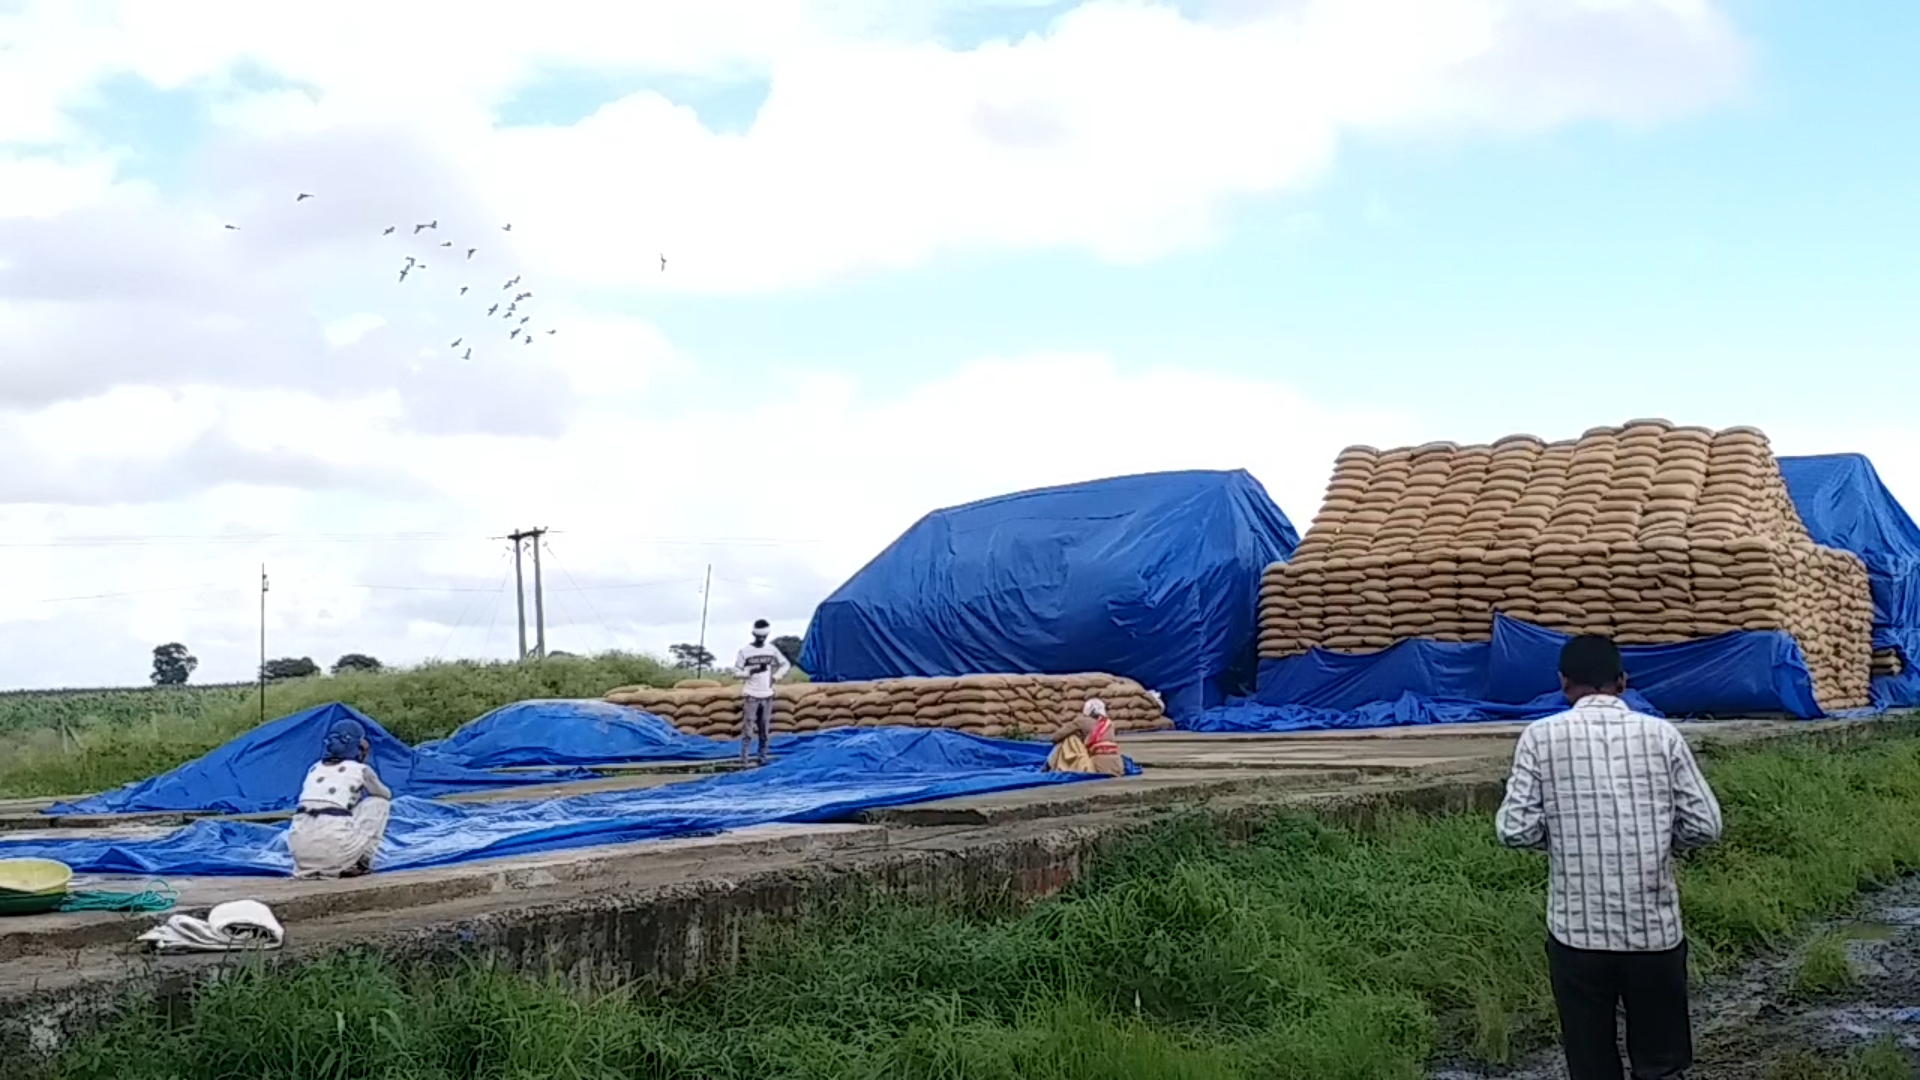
point(1085, 744)
point(343, 808)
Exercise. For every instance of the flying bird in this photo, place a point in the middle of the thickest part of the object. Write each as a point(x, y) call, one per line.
point(524, 318)
point(510, 310)
point(663, 264)
point(301, 197)
point(493, 309)
point(469, 355)
point(552, 332)
point(235, 228)
point(521, 296)
point(513, 334)
point(512, 283)
point(403, 272)
point(388, 231)
point(463, 290)
point(528, 340)
point(470, 252)
point(508, 227)
point(456, 343)
point(411, 260)
point(434, 224)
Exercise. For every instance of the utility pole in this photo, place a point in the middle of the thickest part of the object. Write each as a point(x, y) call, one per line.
point(706, 591)
point(263, 643)
point(520, 538)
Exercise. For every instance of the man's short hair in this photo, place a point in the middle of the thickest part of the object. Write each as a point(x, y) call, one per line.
point(1591, 660)
point(759, 624)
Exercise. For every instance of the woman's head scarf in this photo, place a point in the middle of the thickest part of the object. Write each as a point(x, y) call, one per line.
point(343, 739)
point(1094, 709)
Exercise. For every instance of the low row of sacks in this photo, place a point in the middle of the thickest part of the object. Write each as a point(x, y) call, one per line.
point(983, 704)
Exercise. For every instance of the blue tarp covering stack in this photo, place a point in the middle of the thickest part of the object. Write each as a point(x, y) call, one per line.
point(825, 777)
point(568, 733)
point(1844, 505)
point(260, 772)
point(1152, 577)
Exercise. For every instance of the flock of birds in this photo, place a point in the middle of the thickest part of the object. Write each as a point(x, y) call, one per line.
point(517, 328)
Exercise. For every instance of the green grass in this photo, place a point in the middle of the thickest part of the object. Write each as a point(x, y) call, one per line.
point(1823, 968)
point(1307, 951)
point(68, 744)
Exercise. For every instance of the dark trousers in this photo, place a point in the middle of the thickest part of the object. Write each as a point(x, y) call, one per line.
point(1588, 989)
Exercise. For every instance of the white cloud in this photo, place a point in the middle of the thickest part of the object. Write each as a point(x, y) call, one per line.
point(169, 379)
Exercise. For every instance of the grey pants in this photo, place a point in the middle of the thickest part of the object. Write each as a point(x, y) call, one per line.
point(756, 721)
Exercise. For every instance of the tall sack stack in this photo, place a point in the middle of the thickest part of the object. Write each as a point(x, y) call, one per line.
point(995, 706)
point(1649, 532)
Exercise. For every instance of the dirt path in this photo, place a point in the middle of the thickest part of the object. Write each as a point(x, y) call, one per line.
point(1761, 1025)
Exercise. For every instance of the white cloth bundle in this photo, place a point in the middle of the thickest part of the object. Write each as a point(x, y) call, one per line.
point(235, 926)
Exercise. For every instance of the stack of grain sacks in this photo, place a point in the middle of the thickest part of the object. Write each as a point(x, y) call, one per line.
point(1649, 532)
point(995, 706)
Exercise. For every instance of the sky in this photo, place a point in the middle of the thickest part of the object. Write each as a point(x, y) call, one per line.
point(914, 254)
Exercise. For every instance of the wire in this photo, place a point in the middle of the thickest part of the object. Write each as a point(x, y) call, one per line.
point(631, 585)
point(487, 642)
point(129, 592)
point(612, 638)
point(177, 539)
point(464, 608)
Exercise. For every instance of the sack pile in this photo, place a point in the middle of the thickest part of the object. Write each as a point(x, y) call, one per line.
point(1649, 532)
point(994, 706)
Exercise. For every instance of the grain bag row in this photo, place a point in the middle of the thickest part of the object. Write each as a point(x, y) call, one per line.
point(1649, 532)
point(994, 706)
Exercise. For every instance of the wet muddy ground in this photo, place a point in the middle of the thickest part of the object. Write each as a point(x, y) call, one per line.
point(1815, 1012)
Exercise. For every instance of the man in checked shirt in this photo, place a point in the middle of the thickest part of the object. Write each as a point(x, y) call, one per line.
point(1611, 794)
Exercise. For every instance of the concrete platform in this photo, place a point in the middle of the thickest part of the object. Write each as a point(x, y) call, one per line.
point(1028, 843)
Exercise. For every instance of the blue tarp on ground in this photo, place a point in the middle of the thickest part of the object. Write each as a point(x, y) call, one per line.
point(570, 732)
point(1153, 577)
point(828, 776)
point(1845, 505)
point(1513, 677)
point(261, 771)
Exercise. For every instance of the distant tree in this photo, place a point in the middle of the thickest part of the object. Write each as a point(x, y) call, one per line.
point(789, 647)
point(289, 667)
point(354, 661)
point(687, 655)
point(172, 663)
point(558, 652)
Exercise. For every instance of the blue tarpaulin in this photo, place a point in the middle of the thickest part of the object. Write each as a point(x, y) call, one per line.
point(570, 732)
point(261, 771)
point(828, 776)
point(1153, 577)
point(1845, 505)
point(1513, 677)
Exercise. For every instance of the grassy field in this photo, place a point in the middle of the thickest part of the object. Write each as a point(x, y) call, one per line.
point(72, 743)
point(1309, 952)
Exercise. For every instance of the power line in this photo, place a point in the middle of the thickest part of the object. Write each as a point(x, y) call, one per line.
point(612, 639)
point(129, 592)
point(253, 539)
point(464, 608)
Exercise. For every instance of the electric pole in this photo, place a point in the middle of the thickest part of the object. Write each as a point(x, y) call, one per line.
point(706, 591)
point(520, 538)
point(263, 643)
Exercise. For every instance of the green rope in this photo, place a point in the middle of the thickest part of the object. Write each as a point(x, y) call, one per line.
point(159, 897)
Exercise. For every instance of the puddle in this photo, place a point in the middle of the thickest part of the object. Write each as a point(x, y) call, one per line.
point(1743, 1025)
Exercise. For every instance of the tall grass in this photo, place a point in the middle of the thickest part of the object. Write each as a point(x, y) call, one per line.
point(1309, 951)
point(132, 736)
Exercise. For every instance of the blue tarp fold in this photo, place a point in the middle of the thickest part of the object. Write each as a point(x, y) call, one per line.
point(1844, 504)
point(261, 771)
point(569, 732)
point(826, 777)
point(1514, 677)
point(1153, 577)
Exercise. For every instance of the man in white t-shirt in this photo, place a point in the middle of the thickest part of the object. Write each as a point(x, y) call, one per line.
point(761, 665)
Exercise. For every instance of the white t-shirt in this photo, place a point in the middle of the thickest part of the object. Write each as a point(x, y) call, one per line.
point(761, 666)
point(340, 785)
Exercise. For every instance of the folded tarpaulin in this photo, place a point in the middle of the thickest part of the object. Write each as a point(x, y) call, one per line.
point(829, 776)
point(1407, 710)
point(1746, 672)
point(261, 771)
point(551, 733)
point(1154, 577)
point(1845, 505)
